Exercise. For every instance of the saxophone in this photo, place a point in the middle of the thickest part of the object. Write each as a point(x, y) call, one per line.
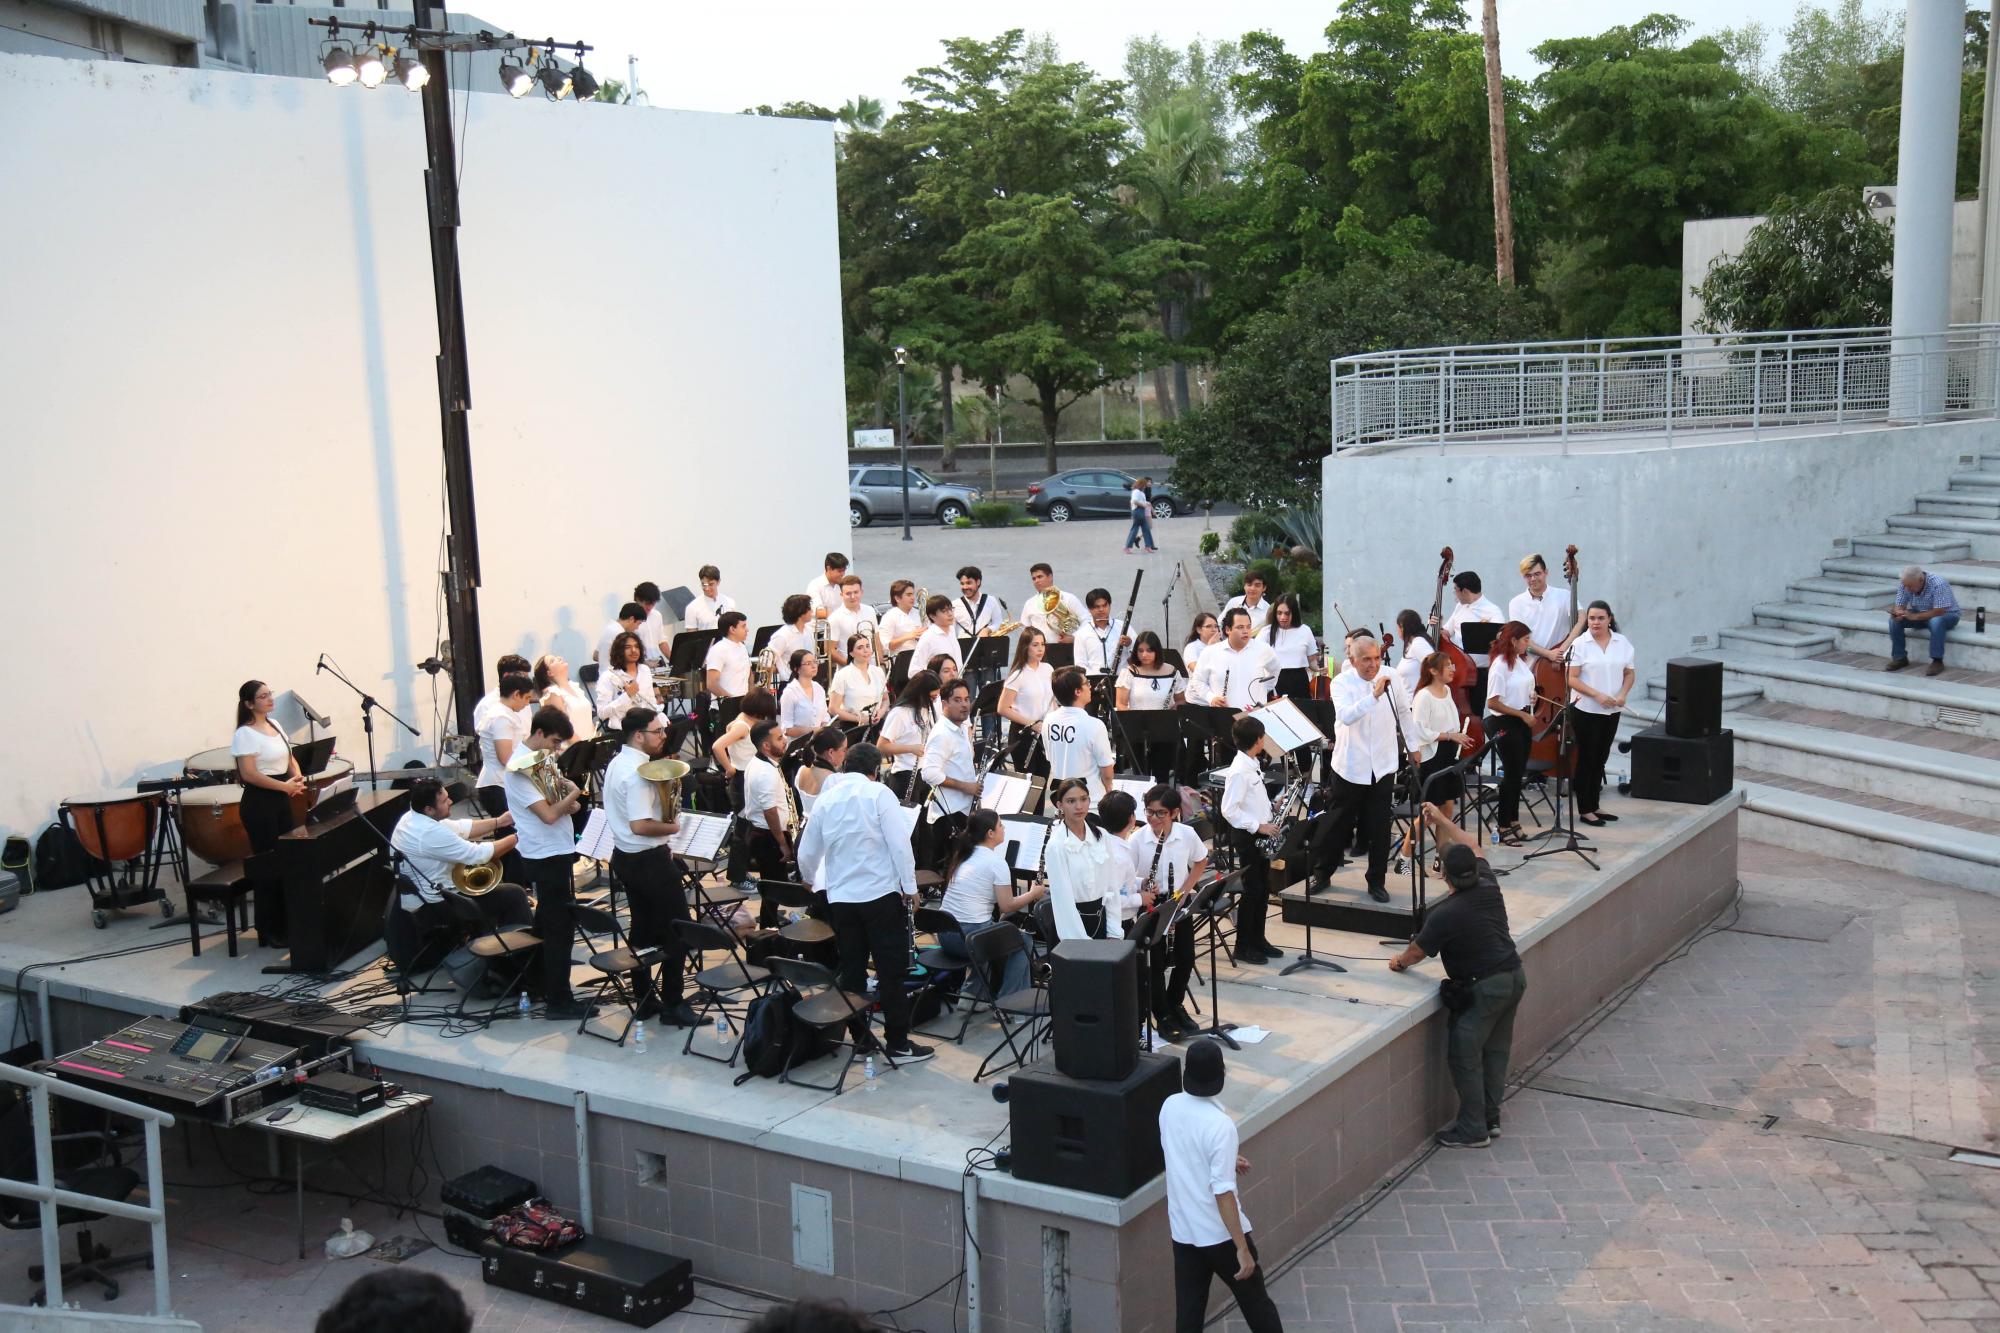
point(1061, 619)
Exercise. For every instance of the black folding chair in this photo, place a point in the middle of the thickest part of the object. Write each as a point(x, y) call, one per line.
point(807, 930)
point(615, 967)
point(1023, 1014)
point(823, 1006)
point(417, 958)
point(507, 954)
point(714, 986)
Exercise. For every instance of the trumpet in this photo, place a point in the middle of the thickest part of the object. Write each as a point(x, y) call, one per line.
point(1000, 631)
point(539, 767)
point(666, 774)
point(1061, 619)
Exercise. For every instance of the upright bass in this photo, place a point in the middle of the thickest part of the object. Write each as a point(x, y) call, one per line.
point(1552, 695)
point(1464, 671)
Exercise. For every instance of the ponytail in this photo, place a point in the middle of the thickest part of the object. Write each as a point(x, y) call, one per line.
point(977, 829)
point(246, 694)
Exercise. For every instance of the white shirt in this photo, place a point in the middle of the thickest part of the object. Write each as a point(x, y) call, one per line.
point(895, 624)
point(784, 641)
point(274, 756)
point(1200, 1143)
point(1239, 680)
point(602, 653)
point(1365, 731)
point(1411, 664)
point(764, 789)
point(1096, 647)
point(1603, 668)
point(1129, 902)
point(1140, 500)
point(613, 703)
point(932, 642)
point(859, 689)
point(1082, 870)
point(1034, 690)
point(981, 612)
point(1033, 617)
point(1513, 686)
point(1479, 611)
point(972, 898)
point(803, 704)
point(948, 754)
point(857, 847)
point(824, 593)
point(904, 726)
point(731, 660)
point(1181, 853)
point(1147, 694)
point(431, 847)
point(502, 724)
point(570, 697)
point(653, 633)
point(706, 612)
point(1431, 716)
point(1245, 803)
point(538, 839)
point(1260, 614)
point(1078, 746)
point(1191, 652)
point(627, 797)
point(1547, 620)
point(844, 624)
point(1292, 646)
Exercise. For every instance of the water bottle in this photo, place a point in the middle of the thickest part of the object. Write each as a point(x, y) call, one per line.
point(868, 1074)
point(721, 1029)
point(521, 1010)
point(639, 1036)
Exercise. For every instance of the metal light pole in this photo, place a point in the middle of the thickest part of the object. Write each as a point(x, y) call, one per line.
point(903, 435)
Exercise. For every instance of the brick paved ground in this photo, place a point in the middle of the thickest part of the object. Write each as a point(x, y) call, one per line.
point(1589, 1214)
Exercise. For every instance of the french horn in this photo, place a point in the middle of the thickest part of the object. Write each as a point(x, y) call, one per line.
point(472, 881)
point(1061, 619)
point(666, 774)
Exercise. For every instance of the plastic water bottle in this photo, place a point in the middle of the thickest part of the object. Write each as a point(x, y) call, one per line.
point(721, 1029)
point(639, 1036)
point(868, 1074)
point(522, 1009)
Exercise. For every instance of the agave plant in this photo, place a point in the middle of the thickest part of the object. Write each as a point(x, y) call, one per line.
point(1300, 524)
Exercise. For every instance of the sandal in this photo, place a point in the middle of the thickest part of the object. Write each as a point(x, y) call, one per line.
point(1511, 836)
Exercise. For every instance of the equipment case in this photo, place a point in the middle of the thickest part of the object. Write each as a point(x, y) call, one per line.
point(622, 1282)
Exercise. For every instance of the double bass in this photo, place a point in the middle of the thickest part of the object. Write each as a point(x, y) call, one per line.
point(1464, 671)
point(1552, 694)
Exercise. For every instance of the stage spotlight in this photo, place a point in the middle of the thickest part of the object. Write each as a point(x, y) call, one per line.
point(369, 71)
point(515, 80)
point(339, 64)
point(555, 80)
point(411, 73)
point(583, 83)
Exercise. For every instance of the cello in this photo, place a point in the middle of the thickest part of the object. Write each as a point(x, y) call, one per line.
point(1552, 696)
point(1464, 672)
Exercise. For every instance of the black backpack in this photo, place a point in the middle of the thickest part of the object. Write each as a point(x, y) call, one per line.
point(771, 1036)
point(60, 860)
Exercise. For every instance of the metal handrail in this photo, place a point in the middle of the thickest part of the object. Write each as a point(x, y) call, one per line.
point(45, 1192)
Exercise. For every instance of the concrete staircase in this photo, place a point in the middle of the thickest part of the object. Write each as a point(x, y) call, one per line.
point(1837, 756)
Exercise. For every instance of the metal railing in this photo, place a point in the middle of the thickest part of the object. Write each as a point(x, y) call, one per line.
point(45, 1192)
point(1557, 392)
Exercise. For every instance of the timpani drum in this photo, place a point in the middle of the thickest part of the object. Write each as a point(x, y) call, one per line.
point(114, 825)
point(212, 823)
point(217, 765)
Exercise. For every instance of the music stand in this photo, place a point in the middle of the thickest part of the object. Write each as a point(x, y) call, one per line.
point(1058, 655)
point(1204, 907)
point(1477, 637)
point(987, 654)
point(1208, 723)
point(1288, 725)
point(761, 637)
point(899, 676)
point(1172, 657)
point(678, 600)
point(1145, 729)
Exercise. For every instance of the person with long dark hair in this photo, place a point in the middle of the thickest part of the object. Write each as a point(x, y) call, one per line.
point(1439, 733)
point(269, 772)
point(1292, 645)
point(1148, 683)
point(1416, 647)
point(979, 892)
point(1082, 869)
point(1510, 720)
point(1601, 673)
point(1026, 696)
point(628, 684)
point(829, 752)
point(1142, 516)
point(905, 729)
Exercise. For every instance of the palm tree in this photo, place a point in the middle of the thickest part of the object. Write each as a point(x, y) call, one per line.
point(862, 113)
point(1182, 153)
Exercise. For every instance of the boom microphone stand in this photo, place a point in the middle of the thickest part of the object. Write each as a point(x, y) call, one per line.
point(1565, 745)
point(369, 707)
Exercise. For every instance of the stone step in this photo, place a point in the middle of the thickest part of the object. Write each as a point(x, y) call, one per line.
point(1983, 535)
point(1978, 483)
point(1861, 594)
point(1959, 576)
point(1773, 641)
point(1864, 631)
point(1902, 548)
point(1816, 823)
point(1908, 697)
point(1960, 504)
point(1989, 462)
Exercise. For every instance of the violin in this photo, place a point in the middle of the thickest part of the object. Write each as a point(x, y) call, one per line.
point(1551, 695)
point(1464, 672)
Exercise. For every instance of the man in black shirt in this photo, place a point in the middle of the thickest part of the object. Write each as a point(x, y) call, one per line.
point(1469, 930)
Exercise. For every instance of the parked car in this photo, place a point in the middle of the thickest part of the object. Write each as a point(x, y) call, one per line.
point(875, 490)
point(1093, 493)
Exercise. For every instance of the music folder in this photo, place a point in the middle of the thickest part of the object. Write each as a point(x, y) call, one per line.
point(1287, 725)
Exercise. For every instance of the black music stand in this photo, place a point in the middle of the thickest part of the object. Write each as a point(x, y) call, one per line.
point(761, 636)
point(1172, 657)
point(987, 654)
point(1565, 729)
point(1144, 729)
point(1208, 723)
point(678, 600)
point(1059, 655)
point(690, 651)
point(1477, 637)
point(1206, 909)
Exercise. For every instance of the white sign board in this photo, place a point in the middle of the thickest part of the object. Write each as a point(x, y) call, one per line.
point(874, 439)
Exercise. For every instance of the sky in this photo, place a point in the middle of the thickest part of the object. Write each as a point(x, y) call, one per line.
point(732, 55)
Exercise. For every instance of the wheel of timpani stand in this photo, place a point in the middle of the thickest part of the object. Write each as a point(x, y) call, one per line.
point(114, 825)
point(212, 823)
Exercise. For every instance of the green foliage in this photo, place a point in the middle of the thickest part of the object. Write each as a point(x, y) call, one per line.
point(1301, 527)
point(1027, 521)
point(1274, 582)
point(1821, 262)
point(963, 522)
point(1310, 588)
point(996, 513)
point(1252, 530)
point(1211, 542)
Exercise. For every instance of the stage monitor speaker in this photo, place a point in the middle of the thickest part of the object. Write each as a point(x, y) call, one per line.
point(1694, 770)
point(1094, 1007)
point(1694, 696)
point(1086, 1134)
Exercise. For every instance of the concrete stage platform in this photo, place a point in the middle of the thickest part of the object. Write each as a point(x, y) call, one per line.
point(1350, 1082)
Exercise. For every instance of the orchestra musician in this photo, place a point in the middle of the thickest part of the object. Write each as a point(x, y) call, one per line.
point(707, 610)
point(905, 729)
point(1239, 670)
point(504, 726)
point(431, 843)
point(547, 849)
point(269, 774)
point(733, 749)
point(1601, 673)
point(1246, 809)
point(1251, 600)
point(629, 683)
point(1510, 720)
point(727, 666)
point(770, 820)
point(944, 666)
point(829, 751)
point(975, 611)
point(1171, 860)
point(1473, 608)
point(1099, 638)
point(1441, 739)
point(802, 707)
point(979, 891)
point(1147, 683)
point(1546, 611)
point(1117, 815)
point(796, 633)
point(643, 862)
point(950, 770)
point(856, 694)
point(1205, 630)
point(630, 617)
point(653, 629)
point(1026, 695)
point(1034, 616)
point(940, 637)
point(1076, 744)
point(553, 686)
point(1084, 874)
point(1416, 647)
point(1370, 740)
point(824, 590)
point(901, 624)
point(853, 616)
point(1292, 645)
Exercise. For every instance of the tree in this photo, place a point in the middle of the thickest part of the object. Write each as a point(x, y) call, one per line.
point(793, 111)
point(1268, 423)
point(613, 91)
point(1818, 263)
point(1496, 119)
point(861, 113)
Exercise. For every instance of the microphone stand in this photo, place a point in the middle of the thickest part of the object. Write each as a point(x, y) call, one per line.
point(1165, 602)
point(1565, 745)
point(369, 707)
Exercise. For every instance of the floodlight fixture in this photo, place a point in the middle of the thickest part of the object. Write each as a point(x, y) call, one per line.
point(516, 80)
point(339, 65)
point(582, 82)
point(369, 70)
point(412, 73)
point(554, 79)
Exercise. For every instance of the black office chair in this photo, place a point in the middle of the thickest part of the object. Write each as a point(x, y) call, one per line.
point(106, 1177)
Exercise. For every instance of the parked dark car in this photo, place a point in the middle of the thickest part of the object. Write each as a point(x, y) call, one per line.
point(1094, 493)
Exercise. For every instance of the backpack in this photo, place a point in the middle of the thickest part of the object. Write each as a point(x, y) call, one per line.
point(767, 1036)
point(60, 860)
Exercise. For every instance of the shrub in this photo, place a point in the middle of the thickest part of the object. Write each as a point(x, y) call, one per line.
point(1310, 587)
point(962, 522)
point(1253, 531)
point(996, 513)
point(1027, 521)
point(1211, 542)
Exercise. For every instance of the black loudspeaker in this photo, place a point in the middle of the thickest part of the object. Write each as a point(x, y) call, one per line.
point(1094, 1007)
point(1694, 770)
point(1086, 1134)
point(1694, 697)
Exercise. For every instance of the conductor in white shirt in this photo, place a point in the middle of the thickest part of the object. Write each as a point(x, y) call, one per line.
point(1370, 744)
point(643, 864)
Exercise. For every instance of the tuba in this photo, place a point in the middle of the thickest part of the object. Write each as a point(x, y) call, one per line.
point(539, 767)
point(472, 881)
point(1061, 619)
point(666, 774)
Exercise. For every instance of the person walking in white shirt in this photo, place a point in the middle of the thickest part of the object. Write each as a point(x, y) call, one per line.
point(643, 863)
point(1210, 1231)
point(1546, 611)
point(706, 611)
point(856, 851)
point(1246, 809)
point(1239, 671)
point(1077, 744)
point(1370, 745)
point(1601, 672)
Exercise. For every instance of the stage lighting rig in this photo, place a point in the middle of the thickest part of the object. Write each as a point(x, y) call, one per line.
point(368, 59)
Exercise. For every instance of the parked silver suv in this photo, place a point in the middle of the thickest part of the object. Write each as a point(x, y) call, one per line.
point(875, 490)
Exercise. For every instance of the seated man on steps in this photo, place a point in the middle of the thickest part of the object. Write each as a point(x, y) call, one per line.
point(1925, 600)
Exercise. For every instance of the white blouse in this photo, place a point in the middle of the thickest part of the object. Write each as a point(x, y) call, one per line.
point(860, 690)
point(1191, 653)
point(1034, 690)
point(803, 704)
point(274, 756)
point(1431, 716)
point(904, 726)
point(1149, 694)
point(1602, 669)
point(973, 897)
point(570, 697)
point(1082, 870)
point(612, 700)
point(895, 624)
point(1513, 686)
point(1291, 646)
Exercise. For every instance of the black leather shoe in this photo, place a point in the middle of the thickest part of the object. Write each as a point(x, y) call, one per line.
point(648, 1008)
point(1378, 893)
point(682, 1016)
point(1269, 952)
point(1318, 884)
point(1250, 959)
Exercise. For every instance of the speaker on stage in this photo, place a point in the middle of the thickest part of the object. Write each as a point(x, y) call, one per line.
point(1087, 1134)
point(1094, 1007)
point(1694, 696)
point(1694, 770)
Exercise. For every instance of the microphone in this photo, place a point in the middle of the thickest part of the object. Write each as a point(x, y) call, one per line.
point(320, 665)
point(431, 666)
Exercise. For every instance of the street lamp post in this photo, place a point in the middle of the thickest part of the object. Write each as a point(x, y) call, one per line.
point(903, 435)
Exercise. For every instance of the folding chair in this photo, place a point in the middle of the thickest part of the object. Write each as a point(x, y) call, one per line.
point(714, 985)
point(410, 951)
point(1022, 1014)
point(506, 953)
point(946, 969)
point(823, 1006)
point(783, 893)
point(615, 967)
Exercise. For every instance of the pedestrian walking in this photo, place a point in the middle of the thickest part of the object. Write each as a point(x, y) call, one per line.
point(1142, 515)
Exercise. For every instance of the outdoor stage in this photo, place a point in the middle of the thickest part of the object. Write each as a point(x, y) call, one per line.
point(1350, 1081)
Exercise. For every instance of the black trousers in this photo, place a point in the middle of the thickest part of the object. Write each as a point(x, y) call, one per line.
point(1170, 963)
point(877, 930)
point(1295, 683)
point(1196, 1266)
point(757, 851)
point(1511, 739)
point(493, 800)
point(657, 897)
point(267, 815)
point(933, 838)
point(1253, 898)
point(1594, 734)
point(555, 919)
point(1367, 805)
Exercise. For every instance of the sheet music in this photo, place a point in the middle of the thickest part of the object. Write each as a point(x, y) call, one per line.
point(1136, 788)
point(1004, 793)
point(1287, 725)
point(700, 836)
point(596, 840)
point(1029, 834)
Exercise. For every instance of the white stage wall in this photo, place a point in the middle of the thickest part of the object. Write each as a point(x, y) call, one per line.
point(222, 443)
